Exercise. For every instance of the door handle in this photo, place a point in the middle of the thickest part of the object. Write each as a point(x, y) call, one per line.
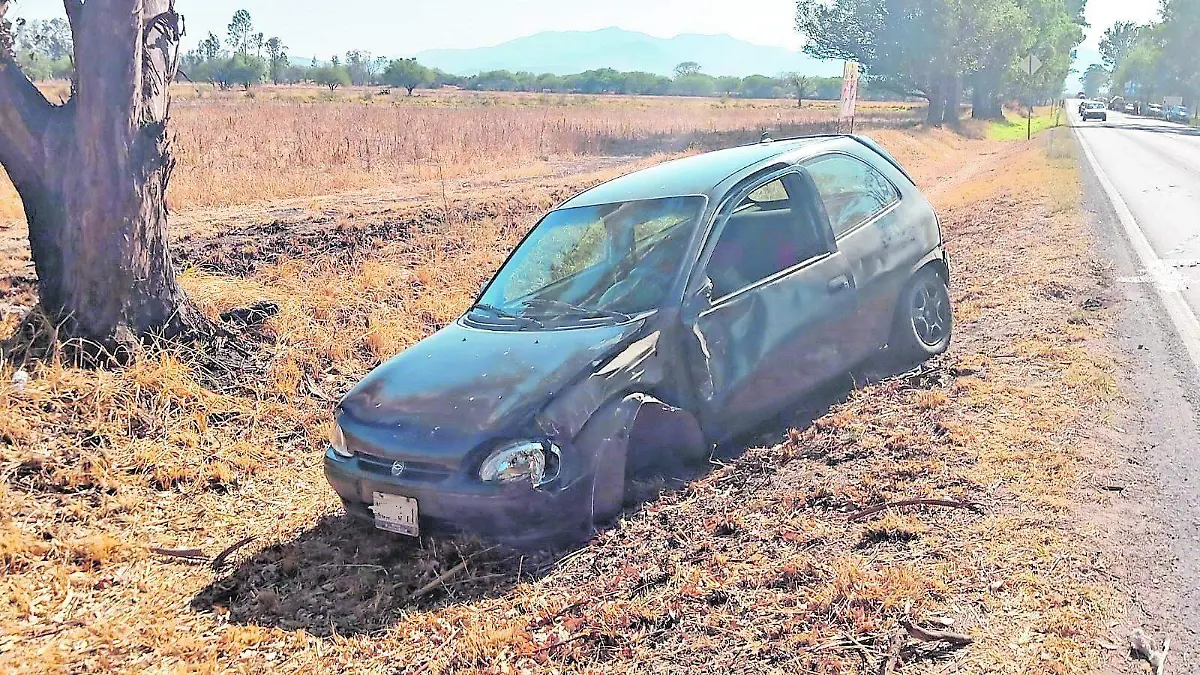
point(839, 283)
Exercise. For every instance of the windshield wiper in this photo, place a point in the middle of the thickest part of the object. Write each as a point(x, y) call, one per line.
point(482, 306)
point(587, 311)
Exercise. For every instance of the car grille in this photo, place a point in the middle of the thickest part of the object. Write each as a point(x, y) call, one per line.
point(413, 471)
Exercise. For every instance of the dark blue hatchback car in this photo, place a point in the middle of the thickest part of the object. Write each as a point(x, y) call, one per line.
point(638, 324)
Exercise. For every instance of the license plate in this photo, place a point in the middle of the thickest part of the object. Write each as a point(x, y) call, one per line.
point(395, 514)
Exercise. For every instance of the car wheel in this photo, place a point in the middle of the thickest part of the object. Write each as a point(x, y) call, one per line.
point(924, 321)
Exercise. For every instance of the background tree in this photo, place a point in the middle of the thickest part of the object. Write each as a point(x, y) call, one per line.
point(92, 175)
point(43, 48)
point(361, 67)
point(1119, 39)
point(277, 59)
point(932, 48)
point(246, 70)
point(1095, 80)
point(686, 69)
point(409, 74)
point(331, 76)
point(239, 30)
point(726, 85)
point(800, 86)
point(210, 47)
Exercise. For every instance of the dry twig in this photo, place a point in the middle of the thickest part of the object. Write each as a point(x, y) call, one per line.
point(930, 635)
point(872, 510)
point(219, 561)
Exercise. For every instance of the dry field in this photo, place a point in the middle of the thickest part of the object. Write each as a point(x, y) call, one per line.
point(291, 142)
point(751, 567)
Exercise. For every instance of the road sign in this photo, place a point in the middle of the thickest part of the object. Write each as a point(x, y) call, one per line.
point(850, 75)
point(1033, 64)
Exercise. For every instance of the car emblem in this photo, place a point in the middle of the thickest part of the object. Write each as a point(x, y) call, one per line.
point(397, 468)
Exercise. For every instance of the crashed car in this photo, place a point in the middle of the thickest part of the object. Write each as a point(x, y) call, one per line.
point(636, 326)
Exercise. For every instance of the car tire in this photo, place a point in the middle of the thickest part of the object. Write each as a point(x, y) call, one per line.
point(924, 322)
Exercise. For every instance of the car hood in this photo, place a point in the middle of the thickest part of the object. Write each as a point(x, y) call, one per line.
point(463, 385)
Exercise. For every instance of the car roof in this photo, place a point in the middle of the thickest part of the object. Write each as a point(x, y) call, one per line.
point(694, 175)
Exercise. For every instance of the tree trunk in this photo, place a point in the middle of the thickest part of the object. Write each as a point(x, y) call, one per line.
point(92, 175)
point(937, 106)
point(953, 91)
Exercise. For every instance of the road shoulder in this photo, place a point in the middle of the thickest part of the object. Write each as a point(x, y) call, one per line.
point(1151, 522)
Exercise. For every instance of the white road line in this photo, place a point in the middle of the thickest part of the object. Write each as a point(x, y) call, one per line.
point(1163, 275)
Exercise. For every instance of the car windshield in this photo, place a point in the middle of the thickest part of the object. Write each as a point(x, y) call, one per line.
point(594, 263)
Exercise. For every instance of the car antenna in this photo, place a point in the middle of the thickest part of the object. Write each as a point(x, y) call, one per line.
point(766, 137)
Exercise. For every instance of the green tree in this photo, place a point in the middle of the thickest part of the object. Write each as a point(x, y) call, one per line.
point(1119, 39)
point(1095, 79)
point(760, 86)
point(800, 86)
point(277, 59)
point(687, 68)
point(246, 70)
point(409, 74)
point(728, 85)
point(360, 66)
point(239, 32)
point(331, 76)
point(931, 48)
point(210, 47)
point(697, 84)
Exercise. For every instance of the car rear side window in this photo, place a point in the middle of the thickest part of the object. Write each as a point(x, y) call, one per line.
point(852, 191)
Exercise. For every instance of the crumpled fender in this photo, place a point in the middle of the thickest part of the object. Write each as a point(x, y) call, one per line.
point(606, 414)
point(637, 367)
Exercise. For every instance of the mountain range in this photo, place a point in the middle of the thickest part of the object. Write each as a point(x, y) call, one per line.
point(567, 52)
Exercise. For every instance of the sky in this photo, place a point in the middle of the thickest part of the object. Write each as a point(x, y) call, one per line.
point(404, 27)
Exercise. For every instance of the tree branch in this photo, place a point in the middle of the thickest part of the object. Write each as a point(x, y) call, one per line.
point(24, 113)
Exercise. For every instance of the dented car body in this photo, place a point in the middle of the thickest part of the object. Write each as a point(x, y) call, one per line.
point(639, 324)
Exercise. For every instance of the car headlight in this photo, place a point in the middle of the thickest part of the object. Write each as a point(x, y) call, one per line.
point(337, 441)
point(529, 460)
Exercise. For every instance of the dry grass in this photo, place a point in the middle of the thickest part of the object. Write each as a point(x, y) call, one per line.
point(298, 142)
point(750, 568)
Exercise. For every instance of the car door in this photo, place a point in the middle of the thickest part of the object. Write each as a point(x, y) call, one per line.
point(772, 301)
point(869, 227)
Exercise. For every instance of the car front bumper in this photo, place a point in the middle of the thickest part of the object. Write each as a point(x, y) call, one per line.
point(513, 514)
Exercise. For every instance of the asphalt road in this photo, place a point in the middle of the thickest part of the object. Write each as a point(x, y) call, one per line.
point(1142, 180)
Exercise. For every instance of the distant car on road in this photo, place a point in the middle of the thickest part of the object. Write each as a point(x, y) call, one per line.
point(1117, 103)
point(1131, 108)
point(1178, 114)
point(1081, 95)
point(1154, 110)
point(1093, 110)
point(638, 324)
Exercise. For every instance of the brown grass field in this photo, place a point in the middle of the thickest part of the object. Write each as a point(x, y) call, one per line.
point(751, 567)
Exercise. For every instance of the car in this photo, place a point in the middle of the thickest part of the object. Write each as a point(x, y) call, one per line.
point(638, 325)
point(1131, 108)
point(1093, 110)
point(1081, 95)
point(1178, 114)
point(1117, 103)
point(1154, 110)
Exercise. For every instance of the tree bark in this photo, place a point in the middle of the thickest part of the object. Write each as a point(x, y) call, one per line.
point(953, 92)
point(937, 106)
point(92, 175)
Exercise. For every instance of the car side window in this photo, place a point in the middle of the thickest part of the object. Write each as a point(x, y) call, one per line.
point(762, 236)
point(851, 190)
